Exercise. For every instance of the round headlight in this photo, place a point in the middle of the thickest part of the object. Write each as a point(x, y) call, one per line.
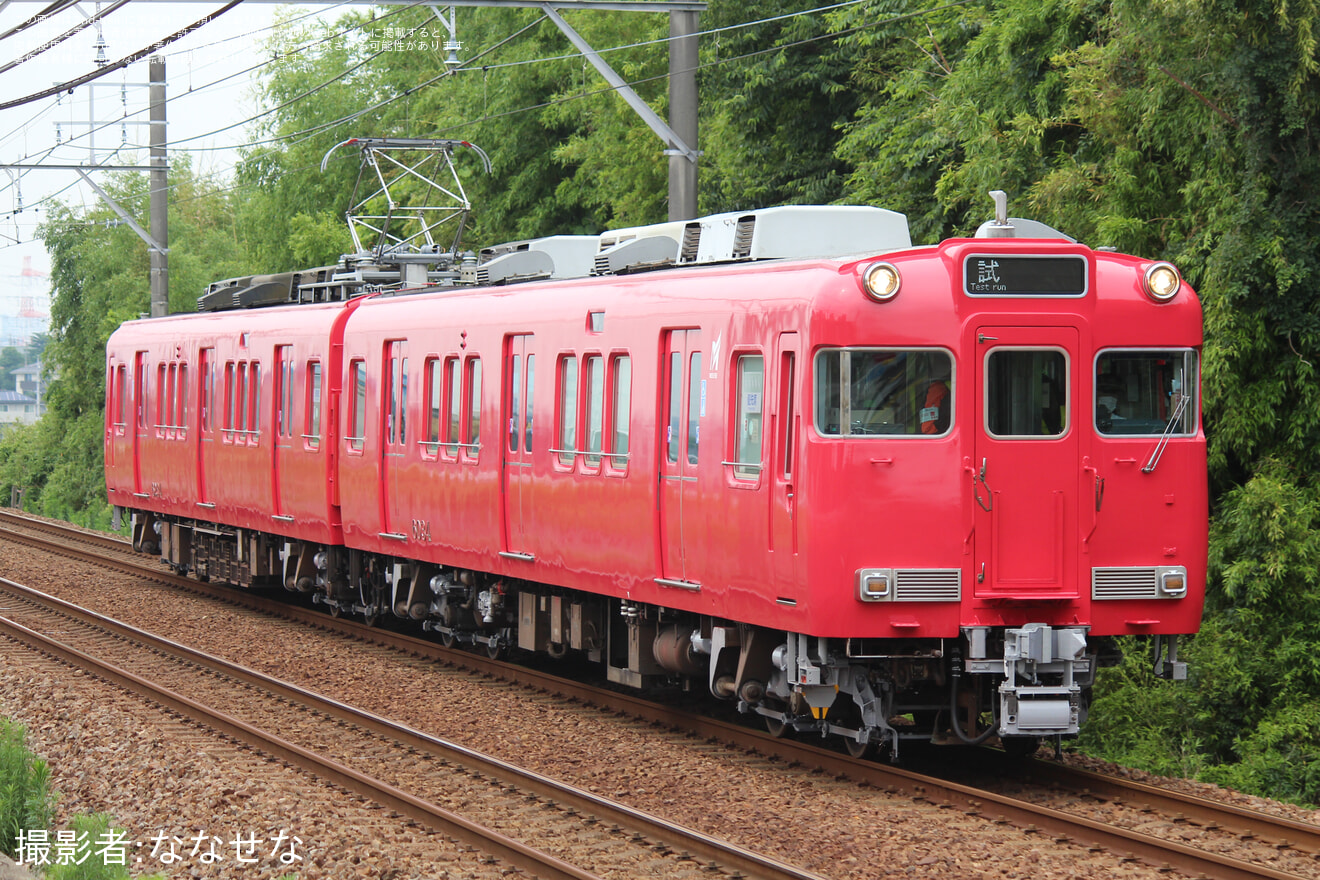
point(881, 282)
point(1162, 282)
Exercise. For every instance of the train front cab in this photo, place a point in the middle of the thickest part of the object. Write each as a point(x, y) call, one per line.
point(994, 558)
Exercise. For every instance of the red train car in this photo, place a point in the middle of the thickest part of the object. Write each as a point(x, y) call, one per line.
point(887, 493)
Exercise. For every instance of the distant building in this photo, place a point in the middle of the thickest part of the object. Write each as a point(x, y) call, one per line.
point(28, 380)
point(16, 408)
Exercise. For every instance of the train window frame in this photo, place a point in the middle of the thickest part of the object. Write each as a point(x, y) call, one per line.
point(253, 433)
point(1191, 365)
point(1069, 404)
point(591, 410)
point(159, 423)
point(227, 417)
point(744, 403)
point(206, 408)
point(845, 426)
point(356, 411)
point(181, 404)
point(472, 375)
point(568, 411)
point(432, 397)
point(615, 459)
point(451, 392)
point(314, 395)
point(120, 392)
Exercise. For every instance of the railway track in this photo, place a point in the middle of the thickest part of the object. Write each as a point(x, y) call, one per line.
point(425, 779)
point(1278, 848)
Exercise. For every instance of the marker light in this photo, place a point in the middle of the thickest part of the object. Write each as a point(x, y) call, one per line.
point(873, 584)
point(1173, 583)
point(881, 282)
point(1162, 282)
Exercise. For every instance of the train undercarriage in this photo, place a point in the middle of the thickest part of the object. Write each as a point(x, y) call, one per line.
point(1019, 684)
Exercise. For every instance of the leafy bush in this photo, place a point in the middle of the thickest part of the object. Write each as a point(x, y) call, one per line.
point(26, 801)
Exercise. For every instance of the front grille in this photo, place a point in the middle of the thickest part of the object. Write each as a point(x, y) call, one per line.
point(927, 584)
point(1124, 583)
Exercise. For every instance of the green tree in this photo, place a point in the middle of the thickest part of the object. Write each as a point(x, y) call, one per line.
point(10, 359)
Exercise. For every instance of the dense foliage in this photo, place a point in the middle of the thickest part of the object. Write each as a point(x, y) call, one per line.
point(1181, 129)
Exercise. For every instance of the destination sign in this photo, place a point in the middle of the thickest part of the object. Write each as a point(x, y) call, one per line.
point(998, 275)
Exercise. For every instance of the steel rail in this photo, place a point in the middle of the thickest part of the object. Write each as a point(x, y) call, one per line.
point(1279, 830)
point(504, 848)
point(1033, 818)
point(697, 844)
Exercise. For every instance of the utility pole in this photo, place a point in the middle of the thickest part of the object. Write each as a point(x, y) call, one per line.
point(160, 182)
point(683, 113)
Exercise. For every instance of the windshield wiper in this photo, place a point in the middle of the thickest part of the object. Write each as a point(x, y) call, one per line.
point(1174, 421)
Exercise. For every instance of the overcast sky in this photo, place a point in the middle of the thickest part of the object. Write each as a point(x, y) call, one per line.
point(57, 130)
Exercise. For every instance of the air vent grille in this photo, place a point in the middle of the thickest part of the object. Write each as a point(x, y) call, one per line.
point(691, 243)
point(742, 237)
point(1124, 583)
point(928, 584)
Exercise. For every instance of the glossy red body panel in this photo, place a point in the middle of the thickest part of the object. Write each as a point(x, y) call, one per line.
point(781, 548)
point(182, 473)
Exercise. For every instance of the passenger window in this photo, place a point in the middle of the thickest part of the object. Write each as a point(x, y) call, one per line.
point(621, 413)
point(473, 435)
point(121, 392)
point(594, 368)
point(1026, 393)
point(696, 406)
point(229, 397)
point(1145, 392)
point(531, 383)
point(673, 429)
point(312, 427)
point(454, 382)
point(181, 412)
point(433, 392)
point(568, 389)
point(254, 402)
point(160, 399)
point(747, 421)
point(867, 392)
point(358, 413)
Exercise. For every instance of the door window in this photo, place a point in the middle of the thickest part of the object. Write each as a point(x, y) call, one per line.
point(1027, 393)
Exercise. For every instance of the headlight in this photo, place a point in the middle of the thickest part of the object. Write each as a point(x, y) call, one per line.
point(1162, 282)
point(1173, 582)
point(874, 584)
point(881, 282)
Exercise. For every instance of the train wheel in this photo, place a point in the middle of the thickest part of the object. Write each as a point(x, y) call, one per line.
point(448, 639)
point(371, 615)
point(335, 610)
point(777, 728)
point(857, 749)
point(495, 650)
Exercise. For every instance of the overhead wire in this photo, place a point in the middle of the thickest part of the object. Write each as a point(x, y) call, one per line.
point(298, 137)
point(100, 15)
point(121, 63)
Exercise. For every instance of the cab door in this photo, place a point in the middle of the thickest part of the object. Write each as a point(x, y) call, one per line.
point(684, 401)
point(1024, 471)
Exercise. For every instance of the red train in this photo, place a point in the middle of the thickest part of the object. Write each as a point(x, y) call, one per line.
point(868, 489)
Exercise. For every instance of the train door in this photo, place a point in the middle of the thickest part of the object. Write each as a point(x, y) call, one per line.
point(784, 466)
point(684, 402)
point(140, 423)
point(1024, 471)
point(206, 396)
point(394, 443)
point(282, 400)
point(519, 386)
